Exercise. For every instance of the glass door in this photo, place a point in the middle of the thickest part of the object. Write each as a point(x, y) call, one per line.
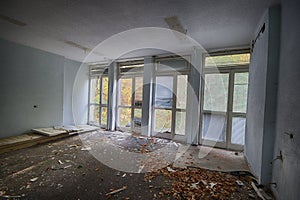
point(130, 103)
point(224, 97)
point(164, 99)
point(214, 118)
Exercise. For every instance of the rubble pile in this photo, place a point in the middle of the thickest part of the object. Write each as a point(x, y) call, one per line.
point(196, 183)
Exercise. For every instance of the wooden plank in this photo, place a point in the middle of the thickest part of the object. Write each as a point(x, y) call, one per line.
point(29, 143)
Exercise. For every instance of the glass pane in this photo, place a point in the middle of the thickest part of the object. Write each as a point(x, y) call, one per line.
point(180, 123)
point(104, 91)
point(225, 60)
point(104, 116)
point(172, 64)
point(240, 92)
point(94, 90)
point(181, 95)
point(138, 91)
point(124, 117)
point(214, 127)
point(238, 130)
point(163, 119)
point(137, 117)
point(216, 92)
point(94, 115)
point(164, 92)
point(125, 92)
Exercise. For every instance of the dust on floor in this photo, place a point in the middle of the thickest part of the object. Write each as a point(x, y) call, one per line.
point(68, 169)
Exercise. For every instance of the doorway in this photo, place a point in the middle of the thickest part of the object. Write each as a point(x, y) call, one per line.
point(224, 97)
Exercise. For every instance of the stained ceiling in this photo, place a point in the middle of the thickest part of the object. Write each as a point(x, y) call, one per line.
point(72, 28)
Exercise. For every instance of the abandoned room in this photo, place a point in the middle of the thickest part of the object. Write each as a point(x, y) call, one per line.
point(138, 99)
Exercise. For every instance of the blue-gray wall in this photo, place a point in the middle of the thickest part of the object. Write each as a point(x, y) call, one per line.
point(261, 111)
point(32, 77)
point(70, 70)
point(286, 174)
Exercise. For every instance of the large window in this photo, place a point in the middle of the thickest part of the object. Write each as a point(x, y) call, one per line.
point(98, 96)
point(170, 97)
point(224, 95)
point(130, 93)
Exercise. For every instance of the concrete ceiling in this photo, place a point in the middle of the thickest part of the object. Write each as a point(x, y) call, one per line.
point(86, 23)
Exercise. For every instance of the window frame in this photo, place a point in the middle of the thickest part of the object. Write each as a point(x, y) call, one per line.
point(98, 72)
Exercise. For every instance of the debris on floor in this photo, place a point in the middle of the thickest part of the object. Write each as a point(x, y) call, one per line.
point(117, 190)
point(197, 183)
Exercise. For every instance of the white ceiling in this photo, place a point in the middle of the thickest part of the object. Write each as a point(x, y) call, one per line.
point(212, 23)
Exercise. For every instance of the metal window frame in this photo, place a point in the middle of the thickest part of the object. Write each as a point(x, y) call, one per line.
point(174, 74)
point(231, 70)
point(99, 77)
point(132, 76)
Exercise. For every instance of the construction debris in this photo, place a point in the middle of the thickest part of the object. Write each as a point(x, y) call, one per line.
point(240, 183)
point(196, 183)
point(117, 190)
point(86, 148)
point(34, 179)
point(257, 191)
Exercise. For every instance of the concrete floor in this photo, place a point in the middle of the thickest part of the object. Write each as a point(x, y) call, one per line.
point(91, 165)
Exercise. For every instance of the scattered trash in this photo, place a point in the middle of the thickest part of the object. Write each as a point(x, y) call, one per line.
point(67, 166)
point(204, 183)
point(10, 196)
point(117, 190)
point(60, 162)
point(265, 194)
point(170, 169)
point(141, 168)
point(86, 148)
point(240, 183)
point(212, 185)
point(194, 185)
point(257, 191)
point(33, 179)
point(124, 175)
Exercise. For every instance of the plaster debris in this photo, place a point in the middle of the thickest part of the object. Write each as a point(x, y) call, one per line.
point(117, 190)
point(240, 183)
point(170, 169)
point(86, 148)
point(34, 179)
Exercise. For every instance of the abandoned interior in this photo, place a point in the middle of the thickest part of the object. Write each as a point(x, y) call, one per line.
point(137, 99)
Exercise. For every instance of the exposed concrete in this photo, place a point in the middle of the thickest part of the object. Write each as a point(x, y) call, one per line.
point(286, 173)
point(261, 110)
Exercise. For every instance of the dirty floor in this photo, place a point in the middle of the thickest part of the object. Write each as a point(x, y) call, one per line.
point(77, 167)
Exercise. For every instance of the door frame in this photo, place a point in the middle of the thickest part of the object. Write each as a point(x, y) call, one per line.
point(231, 70)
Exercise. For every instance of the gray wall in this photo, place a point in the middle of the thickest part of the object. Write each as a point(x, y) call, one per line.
point(261, 111)
point(70, 70)
point(286, 174)
point(31, 77)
